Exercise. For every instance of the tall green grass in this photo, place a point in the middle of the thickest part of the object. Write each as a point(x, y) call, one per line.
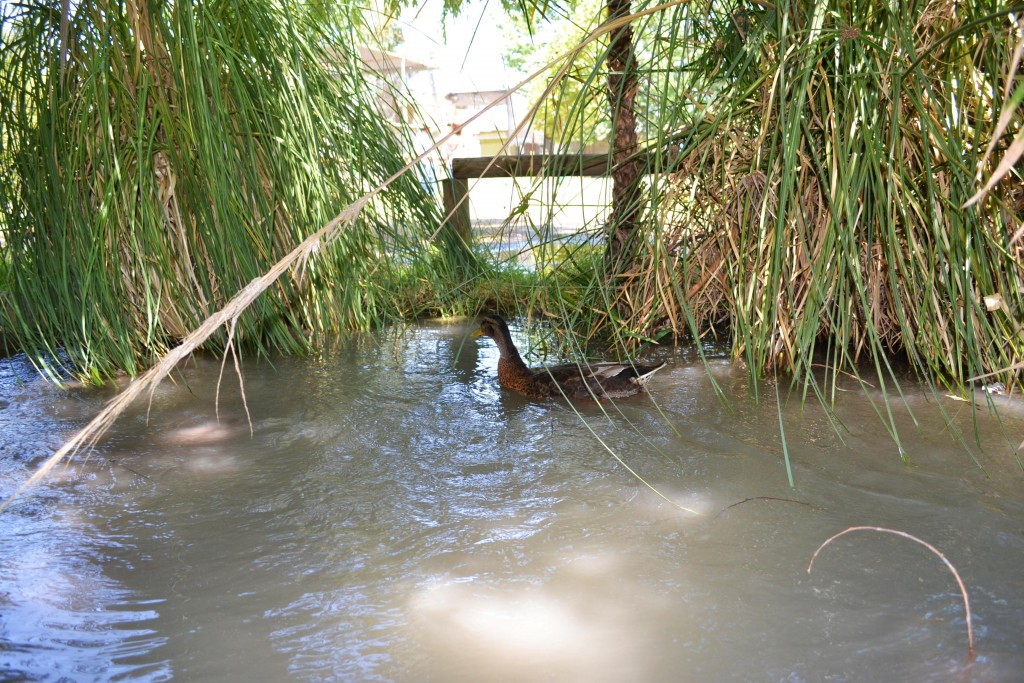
point(169, 153)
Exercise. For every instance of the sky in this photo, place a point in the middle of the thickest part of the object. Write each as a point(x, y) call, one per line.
point(472, 44)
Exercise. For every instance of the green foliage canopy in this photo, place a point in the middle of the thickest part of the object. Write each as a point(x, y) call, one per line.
point(173, 152)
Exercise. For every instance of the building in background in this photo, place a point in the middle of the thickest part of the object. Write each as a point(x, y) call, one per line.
point(416, 95)
point(488, 134)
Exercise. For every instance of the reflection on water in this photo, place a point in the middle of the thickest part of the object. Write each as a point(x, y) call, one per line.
point(393, 516)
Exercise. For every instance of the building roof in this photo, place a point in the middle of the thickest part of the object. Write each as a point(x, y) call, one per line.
point(383, 61)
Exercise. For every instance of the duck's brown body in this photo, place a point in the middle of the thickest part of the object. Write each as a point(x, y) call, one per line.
point(595, 381)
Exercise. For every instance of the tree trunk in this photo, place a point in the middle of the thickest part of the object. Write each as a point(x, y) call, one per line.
point(623, 223)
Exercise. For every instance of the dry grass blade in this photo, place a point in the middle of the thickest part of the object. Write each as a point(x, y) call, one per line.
point(929, 546)
point(1010, 159)
point(225, 316)
point(1016, 150)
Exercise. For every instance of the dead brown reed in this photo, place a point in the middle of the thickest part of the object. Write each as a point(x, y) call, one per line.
point(930, 547)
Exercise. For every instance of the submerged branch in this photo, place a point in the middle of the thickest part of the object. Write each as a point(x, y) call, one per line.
point(769, 498)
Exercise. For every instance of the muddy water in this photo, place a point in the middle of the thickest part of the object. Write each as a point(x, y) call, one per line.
point(393, 516)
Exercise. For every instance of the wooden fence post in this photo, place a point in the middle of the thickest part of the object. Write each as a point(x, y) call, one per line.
point(456, 206)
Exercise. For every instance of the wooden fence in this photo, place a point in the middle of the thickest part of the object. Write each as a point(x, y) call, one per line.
point(456, 187)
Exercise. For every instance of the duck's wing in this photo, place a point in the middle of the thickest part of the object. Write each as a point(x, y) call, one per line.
point(569, 380)
point(606, 371)
point(596, 380)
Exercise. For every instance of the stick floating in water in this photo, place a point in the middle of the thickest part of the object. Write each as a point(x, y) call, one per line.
point(956, 575)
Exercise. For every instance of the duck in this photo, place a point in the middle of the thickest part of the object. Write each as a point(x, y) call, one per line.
point(591, 381)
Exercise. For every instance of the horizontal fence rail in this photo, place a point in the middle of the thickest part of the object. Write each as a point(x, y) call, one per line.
point(456, 187)
point(591, 165)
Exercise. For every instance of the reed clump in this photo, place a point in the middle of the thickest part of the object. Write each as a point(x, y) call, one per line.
point(806, 167)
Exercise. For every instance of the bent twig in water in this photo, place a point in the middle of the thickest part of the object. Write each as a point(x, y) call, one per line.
point(956, 575)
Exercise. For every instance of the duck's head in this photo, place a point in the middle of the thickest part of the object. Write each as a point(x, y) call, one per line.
point(493, 326)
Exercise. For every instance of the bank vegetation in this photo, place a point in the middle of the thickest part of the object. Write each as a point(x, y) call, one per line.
point(803, 171)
